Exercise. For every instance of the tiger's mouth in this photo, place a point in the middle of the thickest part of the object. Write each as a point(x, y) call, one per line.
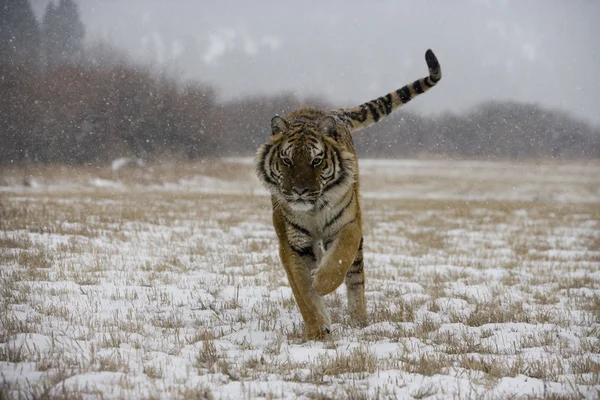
point(308, 197)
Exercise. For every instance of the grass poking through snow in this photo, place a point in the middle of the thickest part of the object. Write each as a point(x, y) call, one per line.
point(483, 280)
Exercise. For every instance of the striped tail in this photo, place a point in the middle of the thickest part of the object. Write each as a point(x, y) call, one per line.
point(372, 111)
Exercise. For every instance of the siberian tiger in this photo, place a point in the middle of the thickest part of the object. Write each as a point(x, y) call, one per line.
point(310, 167)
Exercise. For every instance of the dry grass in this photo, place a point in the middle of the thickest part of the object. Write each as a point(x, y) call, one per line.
point(176, 291)
point(359, 361)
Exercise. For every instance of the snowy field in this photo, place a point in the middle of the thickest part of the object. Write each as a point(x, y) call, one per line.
point(161, 282)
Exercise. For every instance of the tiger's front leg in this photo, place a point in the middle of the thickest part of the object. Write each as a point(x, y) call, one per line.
point(331, 273)
point(311, 304)
point(298, 263)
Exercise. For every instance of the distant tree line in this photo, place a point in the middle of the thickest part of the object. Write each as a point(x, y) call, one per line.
point(57, 40)
point(495, 129)
point(62, 102)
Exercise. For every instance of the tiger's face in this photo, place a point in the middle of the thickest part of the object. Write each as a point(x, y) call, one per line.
point(303, 165)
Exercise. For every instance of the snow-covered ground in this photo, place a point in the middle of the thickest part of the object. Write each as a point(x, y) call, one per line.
point(483, 281)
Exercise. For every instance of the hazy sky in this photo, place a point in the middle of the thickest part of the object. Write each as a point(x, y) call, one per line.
point(541, 51)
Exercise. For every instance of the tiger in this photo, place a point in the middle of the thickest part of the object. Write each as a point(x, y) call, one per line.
point(310, 168)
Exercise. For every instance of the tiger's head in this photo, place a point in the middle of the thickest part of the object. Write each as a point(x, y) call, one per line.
point(304, 165)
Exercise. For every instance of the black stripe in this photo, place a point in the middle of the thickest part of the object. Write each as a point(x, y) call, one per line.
point(354, 284)
point(327, 243)
point(274, 168)
point(323, 204)
point(427, 82)
point(346, 224)
point(304, 252)
point(360, 246)
point(363, 113)
point(261, 166)
point(357, 261)
point(343, 172)
point(431, 60)
point(374, 111)
point(360, 116)
point(330, 174)
point(380, 105)
point(297, 227)
point(433, 65)
point(387, 102)
point(339, 214)
point(336, 182)
point(345, 119)
point(354, 272)
point(330, 157)
point(336, 157)
point(404, 94)
point(417, 87)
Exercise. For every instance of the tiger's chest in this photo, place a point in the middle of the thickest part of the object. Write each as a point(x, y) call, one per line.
point(310, 232)
point(318, 230)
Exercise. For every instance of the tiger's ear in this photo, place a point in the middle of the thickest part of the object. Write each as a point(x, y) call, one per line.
point(328, 126)
point(278, 125)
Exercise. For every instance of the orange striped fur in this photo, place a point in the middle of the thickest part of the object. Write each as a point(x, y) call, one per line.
point(310, 167)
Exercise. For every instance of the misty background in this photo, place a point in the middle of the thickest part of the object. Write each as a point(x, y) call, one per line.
point(154, 79)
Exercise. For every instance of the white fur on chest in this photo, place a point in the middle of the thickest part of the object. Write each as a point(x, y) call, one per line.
point(315, 222)
point(319, 228)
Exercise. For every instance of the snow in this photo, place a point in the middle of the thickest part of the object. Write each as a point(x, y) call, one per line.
point(119, 163)
point(105, 183)
point(173, 289)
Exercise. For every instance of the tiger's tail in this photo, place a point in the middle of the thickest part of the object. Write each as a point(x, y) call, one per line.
point(372, 111)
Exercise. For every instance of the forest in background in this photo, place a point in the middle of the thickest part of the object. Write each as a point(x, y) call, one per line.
point(62, 101)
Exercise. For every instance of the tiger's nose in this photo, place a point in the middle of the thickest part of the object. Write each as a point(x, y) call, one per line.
point(300, 188)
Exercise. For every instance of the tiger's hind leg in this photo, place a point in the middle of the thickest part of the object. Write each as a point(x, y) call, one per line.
point(355, 289)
